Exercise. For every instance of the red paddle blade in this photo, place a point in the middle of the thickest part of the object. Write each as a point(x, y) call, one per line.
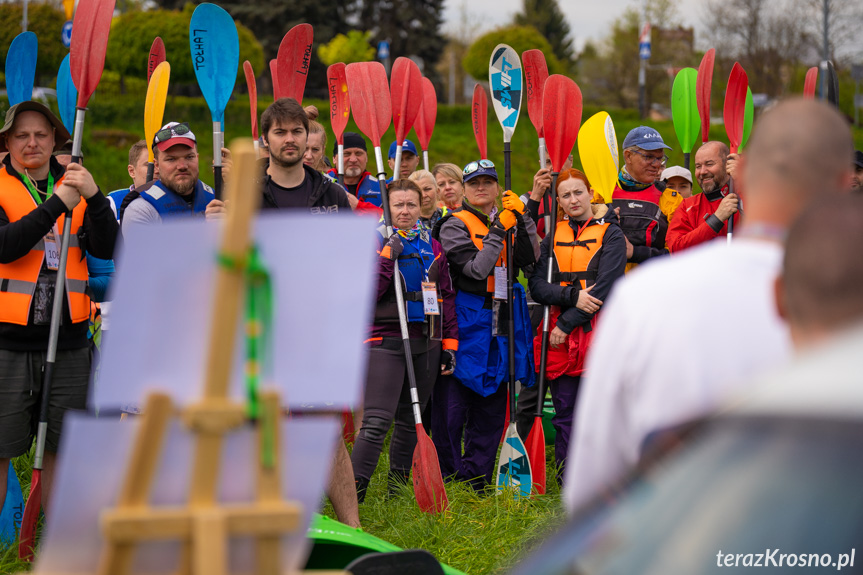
point(810, 83)
point(735, 106)
point(702, 92)
point(561, 118)
point(253, 96)
point(535, 74)
point(295, 55)
point(428, 484)
point(370, 98)
point(479, 115)
point(406, 85)
point(27, 540)
point(274, 75)
point(89, 43)
point(157, 56)
point(535, 446)
point(424, 125)
point(348, 429)
point(340, 103)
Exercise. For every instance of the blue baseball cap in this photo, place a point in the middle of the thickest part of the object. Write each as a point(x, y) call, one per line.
point(645, 138)
point(479, 168)
point(407, 146)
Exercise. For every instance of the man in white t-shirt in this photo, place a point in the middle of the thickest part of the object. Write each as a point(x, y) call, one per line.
point(676, 335)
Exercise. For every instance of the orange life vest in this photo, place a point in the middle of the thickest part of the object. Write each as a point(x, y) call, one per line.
point(18, 279)
point(574, 255)
point(478, 231)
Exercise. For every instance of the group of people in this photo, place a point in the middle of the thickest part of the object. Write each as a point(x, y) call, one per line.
point(656, 354)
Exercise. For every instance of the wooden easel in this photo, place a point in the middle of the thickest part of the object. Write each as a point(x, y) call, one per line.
point(203, 525)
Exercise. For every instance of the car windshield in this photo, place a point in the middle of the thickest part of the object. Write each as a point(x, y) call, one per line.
point(744, 487)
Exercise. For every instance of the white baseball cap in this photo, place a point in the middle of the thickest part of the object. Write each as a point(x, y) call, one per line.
point(673, 171)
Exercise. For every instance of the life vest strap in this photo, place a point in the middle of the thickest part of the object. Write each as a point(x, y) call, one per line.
point(16, 286)
point(573, 277)
point(40, 245)
point(578, 243)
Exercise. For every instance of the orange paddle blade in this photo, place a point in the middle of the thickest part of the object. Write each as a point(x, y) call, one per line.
point(27, 541)
point(428, 484)
point(479, 116)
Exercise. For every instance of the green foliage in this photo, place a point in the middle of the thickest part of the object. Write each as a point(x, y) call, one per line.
point(46, 22)
point(133, 33)
point(354, 47)
point(521, 38)
point(545, 16)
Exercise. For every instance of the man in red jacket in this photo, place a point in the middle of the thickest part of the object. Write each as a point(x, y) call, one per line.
point(704, 216)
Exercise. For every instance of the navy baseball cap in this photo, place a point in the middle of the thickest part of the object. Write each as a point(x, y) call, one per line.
point(645, 138)
point(407, 146)
point(479, 168)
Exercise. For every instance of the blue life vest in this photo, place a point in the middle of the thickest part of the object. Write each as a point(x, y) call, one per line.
point(117, 197)
point(368, 188)
point(415, 266)
point(169, 203)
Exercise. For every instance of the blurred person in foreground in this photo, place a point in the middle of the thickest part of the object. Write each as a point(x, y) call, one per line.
point(800, 151)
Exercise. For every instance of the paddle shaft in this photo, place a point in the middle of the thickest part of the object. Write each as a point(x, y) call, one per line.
point(546, 310)
point(151, 168)
point(510, 323)
point(218, 144)
point(426, 160)
point(686, 160)
point(341, 166)
point(543, 157)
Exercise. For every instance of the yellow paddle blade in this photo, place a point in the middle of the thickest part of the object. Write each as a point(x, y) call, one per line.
point(597, 148)
point(154, 105)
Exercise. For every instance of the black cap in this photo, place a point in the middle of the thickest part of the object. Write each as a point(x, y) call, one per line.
point(858, 158)
point(352, 140)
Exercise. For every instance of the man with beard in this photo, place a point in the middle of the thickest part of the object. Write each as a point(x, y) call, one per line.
point(857, 178)
point(287, 182)
point(704, 216)
point(178, 192)
point(358, 181)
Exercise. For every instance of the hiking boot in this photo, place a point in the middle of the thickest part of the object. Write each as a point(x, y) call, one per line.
point(362, 486)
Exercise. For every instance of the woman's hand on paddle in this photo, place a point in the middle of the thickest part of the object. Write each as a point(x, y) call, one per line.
point(541, 183)
point(586, 302)
point(556, 337)
point(215, 210)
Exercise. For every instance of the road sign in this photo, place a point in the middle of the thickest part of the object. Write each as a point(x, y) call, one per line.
point(644, 42)
point(66, 33)
point(69, 7)
point(383, 50)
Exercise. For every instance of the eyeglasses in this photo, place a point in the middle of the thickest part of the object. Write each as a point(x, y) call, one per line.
point(474, 166)
point(661, 160)
point(168, 133)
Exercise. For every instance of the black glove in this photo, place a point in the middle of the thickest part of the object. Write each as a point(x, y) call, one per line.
point(447, 362)
point(393, 248)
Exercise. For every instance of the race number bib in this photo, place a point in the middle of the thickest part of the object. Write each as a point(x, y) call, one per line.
point(430, 306)
point(52, 251)
point(500, 282)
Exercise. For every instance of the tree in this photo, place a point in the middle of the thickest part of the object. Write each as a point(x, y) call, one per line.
point(354, 47)
point(521, 38)
point(45, 21)
point(545, 16)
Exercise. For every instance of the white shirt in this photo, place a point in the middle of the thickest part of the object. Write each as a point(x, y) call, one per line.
point(675, 338)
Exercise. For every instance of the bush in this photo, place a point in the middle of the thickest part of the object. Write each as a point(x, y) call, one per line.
point(521, 38)
point(46, 22)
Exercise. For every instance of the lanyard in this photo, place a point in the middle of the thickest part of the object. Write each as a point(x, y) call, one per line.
point(33, 191)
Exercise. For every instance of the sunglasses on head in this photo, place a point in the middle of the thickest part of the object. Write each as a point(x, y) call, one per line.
point(168, 133)
point(474, 166)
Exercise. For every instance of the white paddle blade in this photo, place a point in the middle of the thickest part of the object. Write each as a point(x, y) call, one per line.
point(504, 76)
point(513, 465)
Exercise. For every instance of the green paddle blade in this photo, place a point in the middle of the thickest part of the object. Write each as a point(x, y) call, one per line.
point(748, 117)
point(684, 109)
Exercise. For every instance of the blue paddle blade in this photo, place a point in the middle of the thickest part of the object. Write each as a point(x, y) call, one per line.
point(67, 95)
point(21, 67)
point(215, 55)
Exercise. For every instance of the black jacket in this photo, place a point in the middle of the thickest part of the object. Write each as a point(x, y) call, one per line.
point(327, 195)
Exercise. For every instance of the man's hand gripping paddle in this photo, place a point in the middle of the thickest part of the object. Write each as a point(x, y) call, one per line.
point(703, 85)
point(561, 112)
point(424, 126)
point(735, 118)
point(372, 110)
point(685, 112)
point(154, 110)
point(157, 56)
point(406, 85)
point(293, 60)
point(215, 57)
point(340, 111)
point(479, 119)
point(504, 74)
point(21, 68)
point(252, 87)
point(87, 60)
point(535, 75)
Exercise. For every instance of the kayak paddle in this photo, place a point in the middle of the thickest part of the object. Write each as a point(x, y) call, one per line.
point(154, 110)
point(832, 85)
point(479, 117)
point(597, 148)
point(67, 95)
point(292, 62)
point(252, 86)
point(372, 109)
point(504, 74)
point(216, 56)
point(535, 75)
point(702, 93)
point(735, 116)
point(274, 76)
point(684, 111)
point(748, 119)
point(810, 83)
point(561, 112)
point(157, 56)
point(21, 68)
point(86, 61)
point(340, 111)
point(424, 126)
point(406, 95)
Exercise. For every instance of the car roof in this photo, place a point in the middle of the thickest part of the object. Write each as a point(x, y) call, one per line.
point(823, 382)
